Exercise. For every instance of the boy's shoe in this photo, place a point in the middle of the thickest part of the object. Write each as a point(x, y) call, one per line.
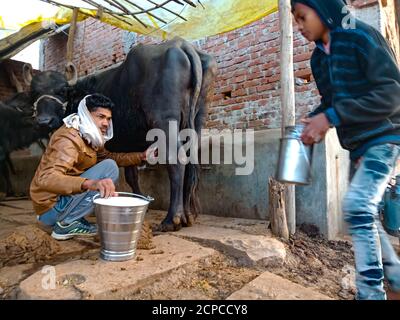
point(77, 228)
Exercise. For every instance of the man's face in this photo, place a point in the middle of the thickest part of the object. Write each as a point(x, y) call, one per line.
point(102, 119)
point(310, 24)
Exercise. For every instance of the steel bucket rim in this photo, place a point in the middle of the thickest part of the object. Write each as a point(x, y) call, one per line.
point(146, 198)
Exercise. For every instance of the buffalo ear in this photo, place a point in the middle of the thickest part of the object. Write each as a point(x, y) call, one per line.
point(27, 73)
point(71, 73)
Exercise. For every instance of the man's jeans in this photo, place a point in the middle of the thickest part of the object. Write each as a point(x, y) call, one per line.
point(71, 208)
point(374, 254)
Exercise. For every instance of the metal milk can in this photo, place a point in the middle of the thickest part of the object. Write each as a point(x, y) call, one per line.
point(294, 162)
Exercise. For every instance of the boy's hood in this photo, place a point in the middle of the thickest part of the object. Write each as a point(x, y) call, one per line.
point(331, 12)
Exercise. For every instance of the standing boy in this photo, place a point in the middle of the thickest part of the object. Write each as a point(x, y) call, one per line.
point(359, 82)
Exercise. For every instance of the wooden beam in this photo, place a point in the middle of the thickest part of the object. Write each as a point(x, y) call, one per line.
point(71, 35)
point(276, 209)
point(287, 95)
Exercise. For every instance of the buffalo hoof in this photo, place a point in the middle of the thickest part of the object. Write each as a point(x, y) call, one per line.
point(190, 219)
point(169, 226)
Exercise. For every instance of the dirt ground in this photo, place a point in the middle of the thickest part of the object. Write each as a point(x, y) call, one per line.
point(28, 248)
point(316, 262)
point(312, 261)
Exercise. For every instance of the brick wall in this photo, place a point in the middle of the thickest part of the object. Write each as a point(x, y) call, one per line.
point(96, 47)
point(6, 89)
point(247, 90)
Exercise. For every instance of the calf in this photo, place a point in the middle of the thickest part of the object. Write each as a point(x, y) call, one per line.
point(18, 130)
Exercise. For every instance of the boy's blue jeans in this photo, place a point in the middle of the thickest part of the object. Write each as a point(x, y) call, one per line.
point(374, 254)
point(71, 208)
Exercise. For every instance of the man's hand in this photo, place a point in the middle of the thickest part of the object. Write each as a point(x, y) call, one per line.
point(105, 186)
point(150, 154)
point(315, 130)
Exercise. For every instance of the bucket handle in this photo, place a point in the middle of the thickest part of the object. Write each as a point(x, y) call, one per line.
point(147, 198)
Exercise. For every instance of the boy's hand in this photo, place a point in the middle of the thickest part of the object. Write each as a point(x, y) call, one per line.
point(315, 130)
point(105, 186)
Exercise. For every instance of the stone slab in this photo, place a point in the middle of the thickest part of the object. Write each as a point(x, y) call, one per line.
point(269, 286)
point(250, 249)
point(84, 279)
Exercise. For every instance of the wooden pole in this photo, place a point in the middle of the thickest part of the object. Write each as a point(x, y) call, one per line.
point(287, 95)
point(276, 208)
point(71, 35)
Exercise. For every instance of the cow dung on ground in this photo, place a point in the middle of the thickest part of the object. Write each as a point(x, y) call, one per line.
point(145, 241)
point(29, 244)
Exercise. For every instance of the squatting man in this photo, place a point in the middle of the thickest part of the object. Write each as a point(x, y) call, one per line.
point(75, 167)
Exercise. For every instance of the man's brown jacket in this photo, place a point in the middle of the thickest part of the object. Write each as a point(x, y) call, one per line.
point(66, 157)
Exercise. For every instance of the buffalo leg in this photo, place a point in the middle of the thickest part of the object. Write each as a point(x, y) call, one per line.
point(7, 168)
point(10, 191)
point(6, 186)
point(132, 178)
point(175, 217)
point(3, 183)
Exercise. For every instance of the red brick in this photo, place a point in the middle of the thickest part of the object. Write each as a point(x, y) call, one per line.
point(302, 57)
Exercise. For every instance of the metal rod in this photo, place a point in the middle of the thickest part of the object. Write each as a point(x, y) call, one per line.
point(58, 4)
point(123, 8)
point(190, 3)
point(116, 5)
point(111, 13)
point(161, 6)
point(200, 3)
point(146, 11)
point(65, 6)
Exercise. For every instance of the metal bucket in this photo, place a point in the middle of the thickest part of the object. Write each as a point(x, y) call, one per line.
point(119, 222)
point(294, 162)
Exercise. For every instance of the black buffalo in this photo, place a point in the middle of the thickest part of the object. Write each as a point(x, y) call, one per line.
point(19, 125)
point(156, 84)
point(18, 130)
